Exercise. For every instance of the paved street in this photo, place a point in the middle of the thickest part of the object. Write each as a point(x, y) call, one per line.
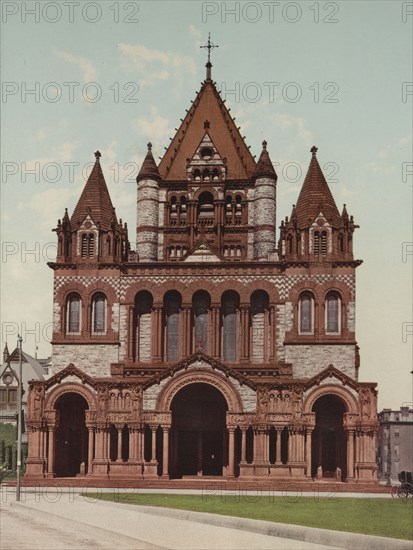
point(76, 523)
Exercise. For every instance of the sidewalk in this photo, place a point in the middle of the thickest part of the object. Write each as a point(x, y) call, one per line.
point(78, 524)
point(69, 520)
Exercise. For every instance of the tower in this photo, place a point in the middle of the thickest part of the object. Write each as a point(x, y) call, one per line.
point(147, 209)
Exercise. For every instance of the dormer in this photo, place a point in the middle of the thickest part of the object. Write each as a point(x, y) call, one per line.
point(206, 165)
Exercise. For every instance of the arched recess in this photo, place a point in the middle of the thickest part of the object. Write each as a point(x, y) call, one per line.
point(72, 387)
point(230, 325)
point(71, 435)
point(260, 326)
point(143, 326)
point(198, 439)
point(342, 393)
point(201, 376)
point(172, 314)
point(329, 442)
point(201, 303)
point(205, 205)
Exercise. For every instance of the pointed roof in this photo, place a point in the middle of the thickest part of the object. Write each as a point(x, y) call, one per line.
point(264, 164)
point(208, 111)
point(316, 197)
point(149, 170)
point(95, 200)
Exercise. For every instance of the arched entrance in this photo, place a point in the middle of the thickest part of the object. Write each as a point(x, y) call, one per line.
point(71, 441)
point(329, 448)
point(198, 434)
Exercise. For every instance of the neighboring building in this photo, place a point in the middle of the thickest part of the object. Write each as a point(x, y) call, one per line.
point(32, 369)
point(395, 443)
point(211, 350)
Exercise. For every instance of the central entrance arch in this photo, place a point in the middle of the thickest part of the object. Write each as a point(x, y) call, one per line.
point(329, 449)
point(198, 432)
point(71, 444)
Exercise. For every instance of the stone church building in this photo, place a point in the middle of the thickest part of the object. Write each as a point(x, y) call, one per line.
point(217, 348)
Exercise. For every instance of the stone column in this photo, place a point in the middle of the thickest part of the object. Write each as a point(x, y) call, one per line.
point(215, 331)
point(131, 332)
point(90, 450)
point(231, 452)
point(165, 463)
point(243, 445)
point(157, 332)
point(278, 446)
point(153, 433)
point(273, 333)
point(133, 444)
point(186, 332)
point(245, 336)
point(308, 452)
point(119, 453)
point(290, 446)
point(50, 458)
point(141, 446)
point(350, 455)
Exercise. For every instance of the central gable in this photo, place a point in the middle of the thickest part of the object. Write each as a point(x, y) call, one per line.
point(207, 113)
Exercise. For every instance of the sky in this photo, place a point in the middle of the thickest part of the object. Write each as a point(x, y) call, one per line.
point(82, 76)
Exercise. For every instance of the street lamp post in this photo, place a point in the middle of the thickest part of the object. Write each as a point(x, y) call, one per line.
point(19, 419)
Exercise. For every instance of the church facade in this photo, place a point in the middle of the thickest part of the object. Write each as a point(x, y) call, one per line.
point(214, 349)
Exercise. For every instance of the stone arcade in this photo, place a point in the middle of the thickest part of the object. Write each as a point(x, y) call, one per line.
point(213, 350)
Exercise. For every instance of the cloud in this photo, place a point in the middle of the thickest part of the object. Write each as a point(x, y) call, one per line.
point(383, 161)
point(154, 127)
point(86, 66)
point(154, 64)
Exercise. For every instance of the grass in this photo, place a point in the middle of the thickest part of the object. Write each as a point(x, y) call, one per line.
point(372, 516)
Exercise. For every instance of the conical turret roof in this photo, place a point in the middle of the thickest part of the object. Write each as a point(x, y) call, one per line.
point(208, 112)
point(264, 165)
point(316, 197)
point(149, 170)
point(95, 200)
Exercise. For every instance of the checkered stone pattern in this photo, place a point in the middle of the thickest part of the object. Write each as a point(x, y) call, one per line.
point(282, 283)
point(84, 280)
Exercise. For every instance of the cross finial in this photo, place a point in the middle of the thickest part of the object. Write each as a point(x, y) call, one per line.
point(314, 150)
point(209, 46)
point(97, 155)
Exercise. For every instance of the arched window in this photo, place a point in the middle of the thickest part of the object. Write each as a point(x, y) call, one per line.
point(333, 313)
point(73, 314)
point(206, 205)
point(172, 308)
point(200, 306)
point(143, 326)
point(230, 307)
point(259, 324)
point(88, 245)
point(99, 313)
point(306, 313)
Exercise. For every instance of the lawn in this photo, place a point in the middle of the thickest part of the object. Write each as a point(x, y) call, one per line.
point(372, 516)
